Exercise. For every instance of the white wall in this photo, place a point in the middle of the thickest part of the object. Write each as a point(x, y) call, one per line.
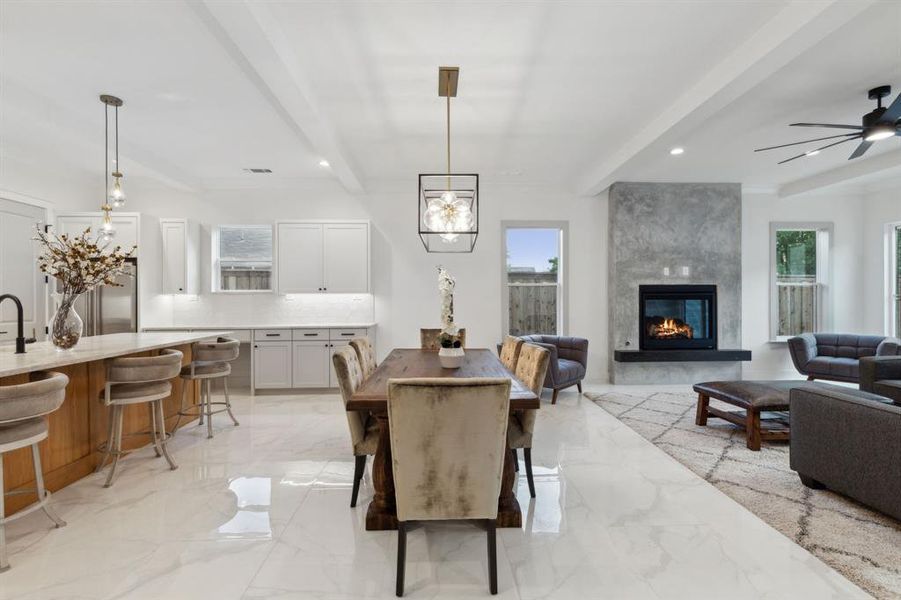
point(881, 208)
point(404, 277)
point(846, 212)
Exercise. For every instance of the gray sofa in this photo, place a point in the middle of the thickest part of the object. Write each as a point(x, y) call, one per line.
point(850, 442)
point(881, 375)
point(836, 356)
point(569, 359)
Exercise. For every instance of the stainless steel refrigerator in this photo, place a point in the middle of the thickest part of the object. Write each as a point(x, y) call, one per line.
point(111, 309)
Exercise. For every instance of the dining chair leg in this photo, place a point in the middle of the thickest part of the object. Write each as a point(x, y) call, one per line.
point(39, 484)
point(209, 409)
point(161, 435)
point(183, 408)
point(492, 555)
point(228, 403)
point(515, 459)
point(579, 387)
point(401, 557)
point(116, 443)
point(359, 467)
point(153, 435)
point(527, 455)
point(554, 397)
point(4, 561)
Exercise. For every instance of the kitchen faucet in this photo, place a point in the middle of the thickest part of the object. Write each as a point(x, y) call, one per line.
point(20, 338)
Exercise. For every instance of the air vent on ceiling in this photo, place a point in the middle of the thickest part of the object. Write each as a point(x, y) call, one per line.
point(258, 170)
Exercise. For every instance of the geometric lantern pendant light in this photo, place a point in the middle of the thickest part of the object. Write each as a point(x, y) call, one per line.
point(114, 195)
point(448, 202)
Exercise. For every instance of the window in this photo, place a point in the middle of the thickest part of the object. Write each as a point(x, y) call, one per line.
point(242, 258)
point(799, 277)
point(893, 278)
point(534, 278)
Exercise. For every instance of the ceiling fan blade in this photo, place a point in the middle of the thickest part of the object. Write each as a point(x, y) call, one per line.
point(830, 125)
point(893, 112)
point(856, 137)
point(863, 147)
point(828, 137)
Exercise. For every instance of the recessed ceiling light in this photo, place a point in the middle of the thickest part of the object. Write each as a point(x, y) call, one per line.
point(812, 152)
point(323, 163)
point(677, 151)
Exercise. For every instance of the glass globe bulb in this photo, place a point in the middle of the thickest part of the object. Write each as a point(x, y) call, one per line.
point(106, 226)
point(117, 196)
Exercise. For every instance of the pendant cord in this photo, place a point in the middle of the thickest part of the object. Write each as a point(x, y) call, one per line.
point(447, 91)
point(117, 140)
point(105, 154)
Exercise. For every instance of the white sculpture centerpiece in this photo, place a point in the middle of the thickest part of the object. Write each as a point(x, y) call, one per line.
point(451, 352)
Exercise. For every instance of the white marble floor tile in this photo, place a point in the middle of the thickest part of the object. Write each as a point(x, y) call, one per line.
point(262, 511)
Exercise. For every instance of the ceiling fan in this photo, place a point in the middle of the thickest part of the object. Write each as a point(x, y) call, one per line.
point(880, 124)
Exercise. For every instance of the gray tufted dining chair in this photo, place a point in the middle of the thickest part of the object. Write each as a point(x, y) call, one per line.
point(210, 360)
point(364, 429)
point(430, 339)
point(448, 442)
point(23, 410)
point(138, 380)
point(531, 369)
point(365, 354)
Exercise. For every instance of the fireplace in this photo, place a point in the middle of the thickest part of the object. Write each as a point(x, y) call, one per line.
point(677, 317)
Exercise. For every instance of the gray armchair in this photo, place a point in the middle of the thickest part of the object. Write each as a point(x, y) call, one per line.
point(881, 375)
point(847, 440)
point(569, 360)
point(836, 356)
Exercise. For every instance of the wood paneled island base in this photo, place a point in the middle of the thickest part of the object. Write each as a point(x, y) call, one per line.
point(373, 396)
point(77, 429)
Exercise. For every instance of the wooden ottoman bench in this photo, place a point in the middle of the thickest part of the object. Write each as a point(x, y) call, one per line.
point(764, 403)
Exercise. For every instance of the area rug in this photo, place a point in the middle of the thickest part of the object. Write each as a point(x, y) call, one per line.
point(861, 544)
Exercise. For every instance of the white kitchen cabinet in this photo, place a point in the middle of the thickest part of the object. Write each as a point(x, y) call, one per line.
point(19, 273)
point(311, 364)
point(272, 365)
point(323, 257)
point(346, 257)
point(300, 264)
point(180, 256)
point(126, 225)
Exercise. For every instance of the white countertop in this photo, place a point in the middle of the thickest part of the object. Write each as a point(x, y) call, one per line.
point(43, 355)
point(263, 326)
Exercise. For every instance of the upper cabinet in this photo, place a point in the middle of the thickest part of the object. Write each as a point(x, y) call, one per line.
point(126, 226)
point(180, 256)
point(323, 257)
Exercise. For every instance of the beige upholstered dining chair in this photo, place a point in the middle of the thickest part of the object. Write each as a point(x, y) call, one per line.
point(365, 354)
point(138, 380)
point(430, 339)
point(531, 369)
point(364, 430)
point(448, 441)
point(510, 351)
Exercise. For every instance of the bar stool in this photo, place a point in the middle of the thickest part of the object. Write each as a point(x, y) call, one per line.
point(138, 380)
point(22, 423)
point(211, 361)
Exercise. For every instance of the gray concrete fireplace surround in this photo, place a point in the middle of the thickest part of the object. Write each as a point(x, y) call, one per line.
point(673, 233)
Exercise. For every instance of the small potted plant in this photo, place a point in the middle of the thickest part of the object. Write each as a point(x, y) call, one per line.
point(451, 352)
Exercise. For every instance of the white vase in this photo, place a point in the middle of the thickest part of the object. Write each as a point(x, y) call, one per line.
point(451, 358)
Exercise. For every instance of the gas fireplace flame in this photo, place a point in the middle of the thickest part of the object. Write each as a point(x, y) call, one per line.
point(671, 329)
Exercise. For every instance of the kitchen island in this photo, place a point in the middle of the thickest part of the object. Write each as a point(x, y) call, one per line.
point(78, 428)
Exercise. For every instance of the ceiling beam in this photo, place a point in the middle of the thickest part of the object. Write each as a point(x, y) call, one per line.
point(256, 42)
point(795, 29)
point(855, 171)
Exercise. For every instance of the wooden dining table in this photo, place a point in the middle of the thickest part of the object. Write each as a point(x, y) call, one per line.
point(372, 396)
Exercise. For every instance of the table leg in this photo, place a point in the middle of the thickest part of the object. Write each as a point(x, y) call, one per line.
point(701, 414)
point(382, 512)
point(508, 511)
point(752, 426)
